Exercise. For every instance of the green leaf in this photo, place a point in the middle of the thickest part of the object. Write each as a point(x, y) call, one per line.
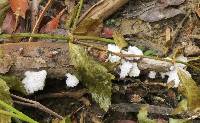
point(182, 107)
point(179, 120)
point(111, 22)
point(5, 96)
point(119, 40)
point(150, 53)
point(142, 116)
point(95, 76)
point(190, 90)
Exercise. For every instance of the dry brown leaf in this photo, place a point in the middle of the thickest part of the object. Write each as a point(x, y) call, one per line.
point(52, 25)
point(90, 27)
point(9, 23)
point(159, 13)
point(19, 7)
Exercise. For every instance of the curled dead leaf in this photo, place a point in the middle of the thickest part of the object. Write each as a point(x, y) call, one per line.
point(19, 7)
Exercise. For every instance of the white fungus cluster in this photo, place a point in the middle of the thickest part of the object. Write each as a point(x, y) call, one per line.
point(115, 49)
point(34, 81)
point(152, 75)
point(71, 80)
point(131, 69)
point(173, 74)
point(126, 68)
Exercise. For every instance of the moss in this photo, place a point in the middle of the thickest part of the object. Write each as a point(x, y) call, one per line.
point(14, 83)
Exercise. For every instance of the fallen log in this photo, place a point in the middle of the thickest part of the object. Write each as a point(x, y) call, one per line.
point(17, 58)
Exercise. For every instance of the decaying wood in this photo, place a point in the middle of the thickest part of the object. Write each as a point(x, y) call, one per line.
point(16, 58)
point(130, 107)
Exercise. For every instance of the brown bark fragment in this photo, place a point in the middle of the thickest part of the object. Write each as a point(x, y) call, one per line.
point(52, 57)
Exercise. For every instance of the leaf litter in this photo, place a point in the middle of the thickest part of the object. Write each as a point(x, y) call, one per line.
point(146, 27)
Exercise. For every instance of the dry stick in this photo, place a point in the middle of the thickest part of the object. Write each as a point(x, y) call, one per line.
point(35, 29)
point(35, 104)
point(75, 95)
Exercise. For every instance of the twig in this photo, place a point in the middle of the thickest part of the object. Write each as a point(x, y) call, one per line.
point(76, 94)
point(35, 104)
point(35, 28)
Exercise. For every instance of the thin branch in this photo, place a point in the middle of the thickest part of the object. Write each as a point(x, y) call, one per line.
point(35, 104)
point(76, 95)
point(35, 28)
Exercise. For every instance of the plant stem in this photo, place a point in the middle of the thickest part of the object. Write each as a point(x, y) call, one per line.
point(77, 15)
point(13, 110)
point(42, 36)
point(15, 115)
point(105, 40)
point(52, 36)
